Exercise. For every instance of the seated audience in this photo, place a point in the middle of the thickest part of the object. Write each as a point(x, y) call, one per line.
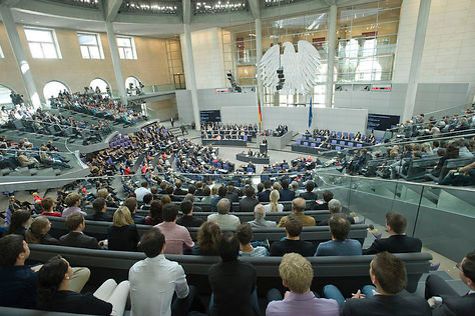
point(263, 196)
point(297, 275)
point(155, 213)
point(177, 237)
point(259, 218)
point(76, 238)
point(233, 283)
point(444, 300)
point(323, 205)
point(340, 245)
point(131, 204)
point(206, 196)
point(248, 203)
point(38, 232)
point(147, 199)
point(122, 235)
point(54, 294)
point(224, 220)
point(208, 238)
point(244, 235)
point(387, 296)
point(298, 208)
point(187, 219)
point(48, 205)
point(274, 205)
point(156, 274)
point(100, 211)
point(142, 191)
point(292, 241)
point(20, 221)
point(178, 190)
point(397, 242)
point(73, 203)
point(335, 207)
point(286, 194)
point(309, 194)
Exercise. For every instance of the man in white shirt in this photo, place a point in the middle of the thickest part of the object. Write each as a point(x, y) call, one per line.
point(154, 280)
point(224, 220)
point(142, 191)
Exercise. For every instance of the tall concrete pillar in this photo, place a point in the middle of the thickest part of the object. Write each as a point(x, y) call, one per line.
point(190, 73)
point(332, 21)
point(119, 79)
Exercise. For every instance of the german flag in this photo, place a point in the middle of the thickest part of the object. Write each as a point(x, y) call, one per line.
point(259, 112)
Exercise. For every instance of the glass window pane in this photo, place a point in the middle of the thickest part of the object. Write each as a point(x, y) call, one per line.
point(87, 39)
point(36, 51)
point(38, 35)
point(128, 53)
point(49, 50)
point(1, 53)
point(84, 52)
point(94, 52)
point(123, 42)
point(121, 53)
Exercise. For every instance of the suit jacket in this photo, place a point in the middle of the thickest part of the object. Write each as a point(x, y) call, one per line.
point(394, 244)
point(287, 195)
point(180, 191)
point(80, 240)
point(456, 306)
point(309, 196)
point(403, 304)
point(325, 221)
point(247, 204)
point(263, 196)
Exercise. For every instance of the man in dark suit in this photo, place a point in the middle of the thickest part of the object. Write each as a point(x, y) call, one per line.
point(444, 300)
point(397, 242)
point(323, 205)
point(178, 189)
point(285, 193)
point(387, 297)
point(248, 203)
point(309, 195)
point(292, 241)
point(76, 238)
point(264, 195)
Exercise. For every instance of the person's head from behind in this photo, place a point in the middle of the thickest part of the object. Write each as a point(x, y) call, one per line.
point(152, 243)
point(131, 204)
point(260, 187)
point(144, 184)
point(102, 193)
point(267, 184)
point(51, 276)
point(293, 227)
point(14, 251)
point(274, 196)
point(186, 207)
point(147, 198)
point(294, 185)
point(47, 204)
point(169, 212)
point(259, 211)
point(75, 222)
point(249, 191)
point(334, 206)
point(122, 217)
point(339, 227)
point(298, 205)
point(296, 273)
point(309, 186)
point(388, 273)
point(156, 209)
point(99, 205)
point(228, 247)
point(467, 269)
point(72, 199)
point(244, 234)
point(222, 191)
point(178, 184)
point(191, 189)
point(19, 219)
point(396, 223)
point(206, 191)
point(38, 229)
point(327, 196)
point(166, 199)
point(284, 184)
point(209, 235)
point(223, 206)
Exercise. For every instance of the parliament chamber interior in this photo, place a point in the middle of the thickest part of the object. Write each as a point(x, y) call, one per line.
point(237, 157)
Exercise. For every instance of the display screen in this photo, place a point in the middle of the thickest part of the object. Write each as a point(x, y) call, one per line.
point(382, 122)
point(210, 116)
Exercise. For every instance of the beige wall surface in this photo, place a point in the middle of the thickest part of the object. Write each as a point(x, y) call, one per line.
point(151, 65)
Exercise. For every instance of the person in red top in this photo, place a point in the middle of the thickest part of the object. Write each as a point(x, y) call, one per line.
point(48, 205)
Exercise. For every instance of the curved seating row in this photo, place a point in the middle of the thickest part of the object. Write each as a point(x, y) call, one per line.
point(347, 272)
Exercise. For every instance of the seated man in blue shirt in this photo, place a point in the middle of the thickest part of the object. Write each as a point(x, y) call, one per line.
point(340, 245)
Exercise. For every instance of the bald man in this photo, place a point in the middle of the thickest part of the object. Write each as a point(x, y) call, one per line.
point(298, 208)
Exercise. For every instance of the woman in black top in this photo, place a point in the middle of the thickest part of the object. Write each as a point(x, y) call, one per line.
point(38, 232)
point(123, 233)
point(19, 222)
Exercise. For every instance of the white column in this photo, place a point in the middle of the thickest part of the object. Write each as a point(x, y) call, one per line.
point(416, 60)
point(119, 79)
point(20, 56)
point(258, 24)
point(332, 21)
point(190, 73)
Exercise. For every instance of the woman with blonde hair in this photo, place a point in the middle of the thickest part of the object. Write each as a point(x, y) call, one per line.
point(274, 205)
point(123, 235)
point(38, 232)
point(208, 237)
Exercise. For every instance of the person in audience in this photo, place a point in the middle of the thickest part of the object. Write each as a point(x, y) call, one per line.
point(48, 205)
point(221, 194)
point(264, 195)
point(76, 238)
point(20, 221)
point(38, 232)
point(206, 196)
point(187, 219)
point(131, 204)
point(292, 241)
point(259, 218)
point(323, 205)
point(156, 274)
point(232, 193)
point(335, 207)
point(190, 197)
point(297, 275)
point(177, 237)
point(178, 190)
point(199, 188)
point(233, 282)
point(155, 214)
point(298, 208)
point(142, 191)
point(309, 194)
point(73, 203)
point(244, 235)
point(461, 176)
point(165, 199)
point(248, 203)
point(286, 194)
point(54, 279)
point(224, 220)
point(398, 241)
point(122, 235)
point(147, 199)
point(387, 296)
point(340, 245)
point(444, 300)
point(208, 238)
point(100, 211)
point(274, 205)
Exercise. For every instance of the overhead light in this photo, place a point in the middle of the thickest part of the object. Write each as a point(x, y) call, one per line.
point(252, 35)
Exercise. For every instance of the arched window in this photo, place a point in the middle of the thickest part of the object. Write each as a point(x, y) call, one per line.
point(98, 82)
point(5, 95)
point(321, 88)
point(52, 89)
point(369, 69)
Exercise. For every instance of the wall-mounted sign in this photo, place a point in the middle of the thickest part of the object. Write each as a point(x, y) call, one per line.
point(382, 87)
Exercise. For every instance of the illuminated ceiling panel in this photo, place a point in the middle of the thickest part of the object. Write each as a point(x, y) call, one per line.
point(79, 3)
point(224, 6)
point(272, 3)
point(151, 6)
